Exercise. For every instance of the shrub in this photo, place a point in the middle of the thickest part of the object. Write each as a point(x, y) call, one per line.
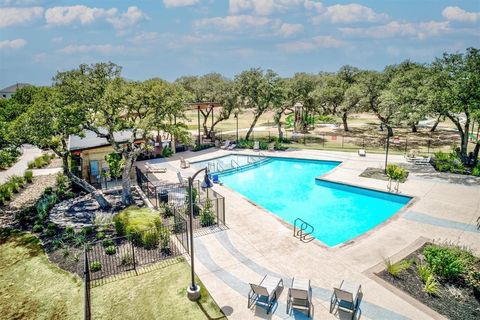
point(424, 272)
point(108, 243)
point(62, 183)
point(115, 163)
point(476, 171)
point(127, 259)
point(150, 239)
point(8, 157)
point(5, 194)
point(87, 230)
point(167, 152)
point(167, 211)
point(134, 219)
point(245, 144)
point(448, 162)
point(110, 250)
point(79, 240)
point(95, 266)
point(165, 241)
point(103, 219)
point(100, 236)
point(45, 204)
point(207, 216)
point(19, 181)
point(394, 269)
point(202, 147)
point(28, 175)
point(37, 228)
point(396, 173)
point(431, 285)
point(31, 165)
point(444, 261)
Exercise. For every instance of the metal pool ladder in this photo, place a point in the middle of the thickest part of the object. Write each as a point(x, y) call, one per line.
point(232, 162)
point(303, 230)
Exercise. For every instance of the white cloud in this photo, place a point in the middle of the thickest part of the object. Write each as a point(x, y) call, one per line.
point(13, 44)
point(189, 40)
point(261, 7)
point(312, 44)
point(145, 37)
point(287, 29)
point(458, 14)
point(76, 14)
point(179, 3)
point(57, 39)
point(419, 30)
point(349, 13)
point(18, 16)
point(233, 23)
point(313, 5)
point(95, 48)
point(132, 16)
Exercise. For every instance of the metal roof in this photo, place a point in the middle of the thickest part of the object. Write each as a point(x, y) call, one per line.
point(14, 87)
point(91, 140)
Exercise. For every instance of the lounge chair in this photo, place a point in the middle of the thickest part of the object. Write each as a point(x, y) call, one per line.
point(362, 152)
point(184, 163)
point(346, 297)
point(264, 293)
point(256, 146)
point(183, 180)
point(300, 296)
point(226, 144)
point(155, 168)
point(422, 161)
point(232, 146)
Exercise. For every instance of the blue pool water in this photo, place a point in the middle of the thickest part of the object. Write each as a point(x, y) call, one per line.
point(288, 189)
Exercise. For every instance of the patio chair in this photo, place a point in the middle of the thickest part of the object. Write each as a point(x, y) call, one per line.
point(232, 146)
point(215, 178)
point(264, 293)
point(256, 146)
point(422, 161)
point(184, 163)
point(300, 296)
point(362, 152)
point(271, 146)
point(346, 297)
point(226, 144)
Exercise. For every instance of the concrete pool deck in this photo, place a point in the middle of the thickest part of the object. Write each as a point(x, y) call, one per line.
point(257, 242)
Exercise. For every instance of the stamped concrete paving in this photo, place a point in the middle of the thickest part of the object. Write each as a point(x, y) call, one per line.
point(257, 242)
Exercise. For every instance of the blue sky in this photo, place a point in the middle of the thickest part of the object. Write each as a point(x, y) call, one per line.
point(171, 38)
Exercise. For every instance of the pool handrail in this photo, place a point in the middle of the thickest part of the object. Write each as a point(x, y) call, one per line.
point(234, 162)
point(300, 233)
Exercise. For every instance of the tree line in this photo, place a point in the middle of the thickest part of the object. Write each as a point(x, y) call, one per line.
point(96, 97)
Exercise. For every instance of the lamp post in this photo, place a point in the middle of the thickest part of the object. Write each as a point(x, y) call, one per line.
point(236, 117)
point(193, 290)
point(386, 153)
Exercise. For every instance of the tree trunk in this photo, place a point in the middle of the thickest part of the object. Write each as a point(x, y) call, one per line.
point(414, 128)
point(389, 130)
point(463, 131)
point(344, 119)
point(475, 153)
point(97, 194)
point(432, 129)
point(127, 198)
point(252, 126)
point(280, 132)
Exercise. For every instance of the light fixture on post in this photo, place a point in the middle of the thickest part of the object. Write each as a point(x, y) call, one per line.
point(193, 290)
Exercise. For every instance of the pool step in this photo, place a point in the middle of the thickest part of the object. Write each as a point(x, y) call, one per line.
point(244, 167)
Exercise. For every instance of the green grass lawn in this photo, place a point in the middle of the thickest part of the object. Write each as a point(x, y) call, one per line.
point(33, 288)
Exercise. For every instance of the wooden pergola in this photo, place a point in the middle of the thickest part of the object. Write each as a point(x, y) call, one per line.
point(206, 108)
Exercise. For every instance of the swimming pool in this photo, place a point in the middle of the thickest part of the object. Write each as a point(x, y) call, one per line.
point(289, 189)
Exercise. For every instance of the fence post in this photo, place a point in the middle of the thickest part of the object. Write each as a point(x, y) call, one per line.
point(406, 145)
point(86, 276)
point(323, 141)
point(133, 256)
point(343, 136)
point(428, 146)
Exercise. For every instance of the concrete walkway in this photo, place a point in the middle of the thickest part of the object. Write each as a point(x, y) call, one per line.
point(258, 243)
point(29, 153)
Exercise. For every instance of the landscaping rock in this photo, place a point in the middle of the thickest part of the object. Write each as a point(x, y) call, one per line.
point(81, 211)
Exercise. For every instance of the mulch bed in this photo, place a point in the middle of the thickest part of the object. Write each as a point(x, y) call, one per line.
point(376, 173)
point(455, 300)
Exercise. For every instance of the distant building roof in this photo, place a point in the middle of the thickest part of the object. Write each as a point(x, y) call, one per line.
point(14, 87)
point(91, 140)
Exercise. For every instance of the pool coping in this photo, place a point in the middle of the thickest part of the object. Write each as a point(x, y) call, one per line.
point(349, 242)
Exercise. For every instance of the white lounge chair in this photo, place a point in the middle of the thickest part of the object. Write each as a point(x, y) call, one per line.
point(362, 152)
point(346, 297)
point(264, 293)
point(183, 180)
point(256, 146)
point(155, 168)
point(422, 161)
point(184, 163)
point(232, 146)
point(226, 144)
point(300, 296)
point(271, 146)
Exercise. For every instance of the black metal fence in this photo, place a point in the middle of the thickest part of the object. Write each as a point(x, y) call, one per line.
point(209, 205)
point(105, 259)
